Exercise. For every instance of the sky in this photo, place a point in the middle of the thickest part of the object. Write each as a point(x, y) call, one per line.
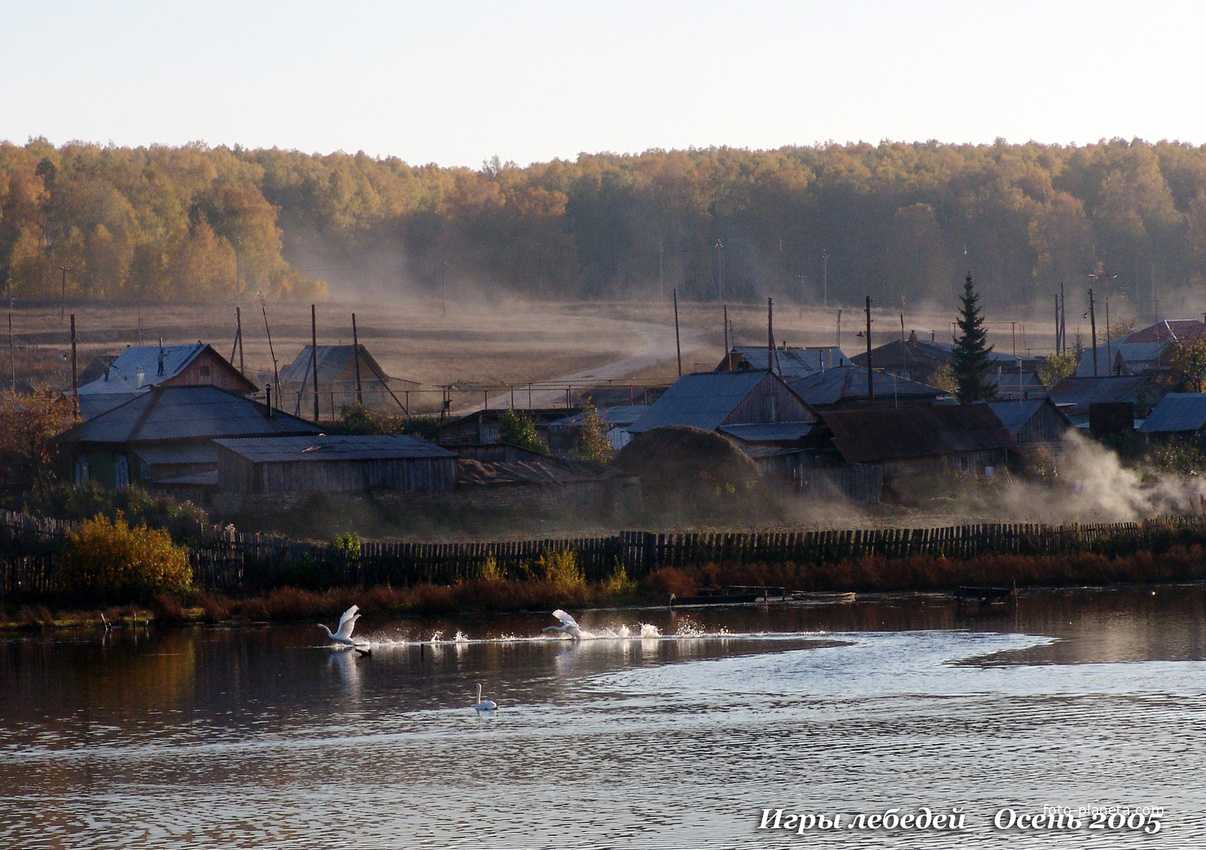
point(456, 83)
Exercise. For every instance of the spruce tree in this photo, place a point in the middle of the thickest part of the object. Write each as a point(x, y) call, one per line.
point(970, 364)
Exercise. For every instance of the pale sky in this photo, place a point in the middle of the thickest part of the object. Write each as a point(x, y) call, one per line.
point(531, 80)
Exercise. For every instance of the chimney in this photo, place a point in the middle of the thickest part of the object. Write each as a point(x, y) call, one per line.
point(160, 372)
point(140, 375)
point(268, 390)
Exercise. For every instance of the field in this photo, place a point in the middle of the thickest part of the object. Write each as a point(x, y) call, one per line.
point(484, 348)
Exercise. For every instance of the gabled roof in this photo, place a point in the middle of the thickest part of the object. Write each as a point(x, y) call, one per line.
point(920, 352)
point(186, 413)
point(1079, 393)
point(848, 383)
point(142, 366)
point(332, 361)
point(703, 400)
point(296, 449)
point(876, 435)
point(1015, 414)
point(1176, 412)
point(1142, 350)
point(789, 362)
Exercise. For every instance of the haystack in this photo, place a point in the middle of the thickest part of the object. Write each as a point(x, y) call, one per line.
point(689, 462)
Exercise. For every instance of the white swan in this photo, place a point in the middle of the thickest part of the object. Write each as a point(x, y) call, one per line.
point(569, 626)
point(484, 704)
point(347, 622)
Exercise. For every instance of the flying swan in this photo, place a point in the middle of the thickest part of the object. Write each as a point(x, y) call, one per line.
point(343, 635)
point(569, 626)
point(484, 704)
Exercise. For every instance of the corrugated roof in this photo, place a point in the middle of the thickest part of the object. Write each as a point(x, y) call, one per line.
point(1176, 413)
point(332, 361)
point(332, 447)
point(92, 406)
point(778, 432)
point(1015, 414)
point(790, 362)
point(702, 400)
point(869, 436)
point(1079, 393)
point(183, 413)
point(850, 382)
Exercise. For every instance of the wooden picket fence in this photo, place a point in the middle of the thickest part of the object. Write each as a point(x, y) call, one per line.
point(226, 559)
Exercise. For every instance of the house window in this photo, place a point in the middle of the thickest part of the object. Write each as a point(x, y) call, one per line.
point(121, 471)
point(81, 471)
point(144, 471)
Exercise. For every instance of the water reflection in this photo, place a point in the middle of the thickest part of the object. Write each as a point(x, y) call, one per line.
point(670, 729)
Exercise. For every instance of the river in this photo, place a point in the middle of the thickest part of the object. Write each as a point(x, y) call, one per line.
point(696, 728)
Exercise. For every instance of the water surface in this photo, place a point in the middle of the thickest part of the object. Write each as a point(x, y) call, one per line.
point(663, 729)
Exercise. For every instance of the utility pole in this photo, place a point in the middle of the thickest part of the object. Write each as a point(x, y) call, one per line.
point(75, 373)
point(870, 384)
point(728, 351)
point(314, 355)
point(677, 345)
point(12, 352)
point(356, 353)
point(839, 329)
point(1093, 327)
point(719, 270)
point(661, 271)
point(825, 278)
point(770, 334)
point(63, 298)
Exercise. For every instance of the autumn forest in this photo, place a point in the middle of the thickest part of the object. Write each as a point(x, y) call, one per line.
point(833, 222)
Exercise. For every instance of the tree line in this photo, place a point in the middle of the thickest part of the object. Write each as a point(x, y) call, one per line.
point(830, 222)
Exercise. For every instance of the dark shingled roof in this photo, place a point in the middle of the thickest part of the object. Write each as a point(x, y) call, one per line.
point(1176, 413)
point(870, 436)
point(1078, 393)
point(186, 413)
point(336, 447)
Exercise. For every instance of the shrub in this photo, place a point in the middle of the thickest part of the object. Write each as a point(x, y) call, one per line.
point(107, 559)
point(561, 570)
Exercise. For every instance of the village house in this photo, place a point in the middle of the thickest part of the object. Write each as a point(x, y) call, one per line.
point(164, 438)
point(846, 387)
point(1177, 415)
point(710, 400)
point(1036, 424)
point(917, 359)
point(346, 375)
point(785, 361)
point(141, 368)
point(1142, 352)
point(1077, 397)
point(909, 441)
point(332, 464)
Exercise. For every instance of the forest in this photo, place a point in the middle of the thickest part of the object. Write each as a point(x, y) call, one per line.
point(830, 223)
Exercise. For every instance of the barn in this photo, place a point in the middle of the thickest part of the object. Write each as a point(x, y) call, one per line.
point(332, 464)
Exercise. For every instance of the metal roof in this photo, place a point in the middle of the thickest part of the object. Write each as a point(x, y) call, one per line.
point(184, 413)
point(175, 454)
point(703, 400)
point(1079, 393)
point(1015, 414)
point(778, 432)
point(1176, 412)
point(868, 436)
point(332, 361)
point(790, 362)
point(850, 382)
point(94, 404)
point(338, 447)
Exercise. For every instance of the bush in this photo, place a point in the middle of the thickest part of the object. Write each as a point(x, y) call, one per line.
point(561, 570)
point(108, 560)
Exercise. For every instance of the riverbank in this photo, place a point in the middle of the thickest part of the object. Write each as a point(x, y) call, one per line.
point(869, 574)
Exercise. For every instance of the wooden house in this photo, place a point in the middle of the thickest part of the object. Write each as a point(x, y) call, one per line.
point(164, 438)
point(913, 440)
point(340, 367)
point(710, 400)
point(1037, 424)
point(139, 369)
point(1177, 415)
point(332, 464)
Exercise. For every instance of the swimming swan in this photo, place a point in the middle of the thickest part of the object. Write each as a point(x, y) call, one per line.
point(484, 704)
point(569, 626)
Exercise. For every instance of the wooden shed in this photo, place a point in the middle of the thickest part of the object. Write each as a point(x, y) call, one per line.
point(333, 464)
